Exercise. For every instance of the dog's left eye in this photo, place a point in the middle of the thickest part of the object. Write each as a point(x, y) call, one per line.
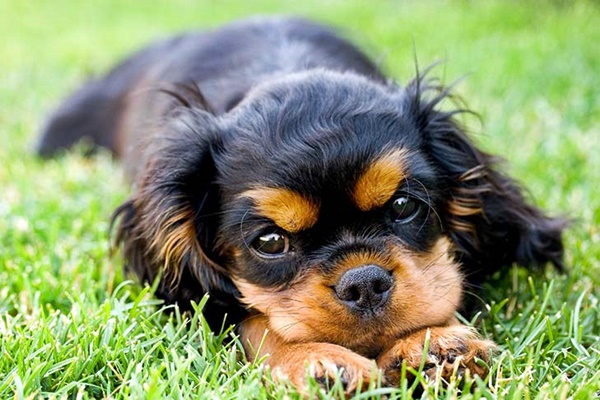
point(271, 245)
point(404, 208)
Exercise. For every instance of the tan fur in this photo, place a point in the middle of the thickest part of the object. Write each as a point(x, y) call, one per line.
point(464, 207)
point(305, 328)
point(290, 362)
point(379, 182)
point(426, 292)
point(356, 259)
point(466, 201)
point(175, 239)
point(451, 350)
point(288, 209)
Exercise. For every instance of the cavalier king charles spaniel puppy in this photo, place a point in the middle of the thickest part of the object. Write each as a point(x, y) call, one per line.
point(331, 214)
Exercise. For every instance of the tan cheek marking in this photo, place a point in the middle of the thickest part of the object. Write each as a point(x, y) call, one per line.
point(379, 182)
point(434, 285)
point(259, 298)
point(288, 209)
point(308, 312)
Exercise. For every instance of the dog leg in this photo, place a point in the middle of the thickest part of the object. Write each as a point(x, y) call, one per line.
point(452, 351)
point(294, 362)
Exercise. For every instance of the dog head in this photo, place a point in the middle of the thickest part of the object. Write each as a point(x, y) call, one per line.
point(346, 211)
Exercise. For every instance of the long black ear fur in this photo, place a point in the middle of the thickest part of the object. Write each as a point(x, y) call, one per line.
point(166, 229)
point(487, 217)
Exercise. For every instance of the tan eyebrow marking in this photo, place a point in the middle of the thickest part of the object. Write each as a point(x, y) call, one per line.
point(379, 182)
point(287, 208)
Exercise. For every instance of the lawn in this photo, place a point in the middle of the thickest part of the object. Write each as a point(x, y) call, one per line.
point(72, 326)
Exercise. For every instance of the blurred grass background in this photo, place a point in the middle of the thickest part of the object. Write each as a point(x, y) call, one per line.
point(70, 329)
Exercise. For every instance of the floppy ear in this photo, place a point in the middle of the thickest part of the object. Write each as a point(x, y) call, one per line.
point(167, 228)
point(486, 215)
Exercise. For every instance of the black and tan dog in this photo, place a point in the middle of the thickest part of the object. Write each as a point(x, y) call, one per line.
point(275, 168)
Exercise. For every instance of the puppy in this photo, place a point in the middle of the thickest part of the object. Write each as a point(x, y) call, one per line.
point(333, 215)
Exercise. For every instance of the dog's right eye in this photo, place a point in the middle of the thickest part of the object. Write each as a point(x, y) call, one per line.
point(404, 209)
point(271, 245)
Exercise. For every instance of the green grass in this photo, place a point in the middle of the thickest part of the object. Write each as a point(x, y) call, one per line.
point(72, 327)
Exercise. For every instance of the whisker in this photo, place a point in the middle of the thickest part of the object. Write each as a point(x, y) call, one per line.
point(242, 230)
point(222, 212)
point(427, 202)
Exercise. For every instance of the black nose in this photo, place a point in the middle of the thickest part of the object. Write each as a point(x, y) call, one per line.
point(365, 288)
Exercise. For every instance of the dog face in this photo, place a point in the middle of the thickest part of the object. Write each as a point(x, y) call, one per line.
point(343, 210)
point(333, 231)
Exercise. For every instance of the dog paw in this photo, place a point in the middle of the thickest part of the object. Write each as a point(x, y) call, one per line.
point(451, 352)
point(327, 364)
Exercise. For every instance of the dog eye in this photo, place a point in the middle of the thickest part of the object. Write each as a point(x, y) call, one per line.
point(404, 208)
point(271, 244)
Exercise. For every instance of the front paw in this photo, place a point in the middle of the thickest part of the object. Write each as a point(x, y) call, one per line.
point(326, 364)
point(451, 352)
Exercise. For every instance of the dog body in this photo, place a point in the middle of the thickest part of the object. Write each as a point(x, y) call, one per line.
point(278, 170)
